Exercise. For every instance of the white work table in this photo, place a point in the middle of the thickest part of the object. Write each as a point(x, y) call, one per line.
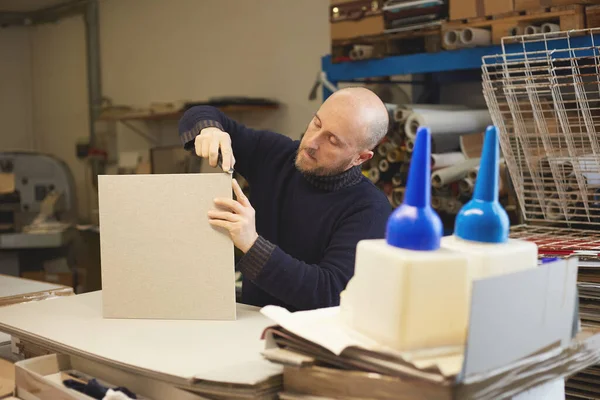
point(181, 352)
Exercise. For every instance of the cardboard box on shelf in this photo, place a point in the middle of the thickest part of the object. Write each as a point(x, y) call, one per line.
point(463, 9)
point(356, 18)
point(522, 5)
point(497, 7)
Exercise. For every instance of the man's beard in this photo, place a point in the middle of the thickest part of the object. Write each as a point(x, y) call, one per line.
point(320, 171)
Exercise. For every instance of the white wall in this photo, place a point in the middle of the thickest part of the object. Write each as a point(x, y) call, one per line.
point(16, 130)
point(60, 111)
point(154, 50)
point(169, 50)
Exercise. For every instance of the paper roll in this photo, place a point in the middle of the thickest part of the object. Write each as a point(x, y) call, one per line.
point(472, 174)
point(401, 114)
point(397, 196)
point(452, 206)
point(452, 39)
point(471, 145)
point(547, 28)
point(361, 52)
point(532, 29)
point(374, 174)
point(466, 186)
point(384, 165)
point(397, 180)
point(448, 175)
point(516, 31)
point(383, 149)
point(410, 145)
point(394, 155)
point(444, 160)
point(437, 202)
point(472, 37)
point(448, 122)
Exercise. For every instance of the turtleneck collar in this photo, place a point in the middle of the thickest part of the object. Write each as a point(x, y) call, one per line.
point(332, 183)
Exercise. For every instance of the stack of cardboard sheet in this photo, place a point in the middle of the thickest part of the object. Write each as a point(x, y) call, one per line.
point(563, 243)
point(214, 359)
point(509, 351)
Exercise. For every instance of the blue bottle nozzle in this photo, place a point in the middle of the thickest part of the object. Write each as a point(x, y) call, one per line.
point(483, 219)
point(414, 225)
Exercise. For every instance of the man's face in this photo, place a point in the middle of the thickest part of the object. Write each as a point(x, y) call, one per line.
point(333, 142)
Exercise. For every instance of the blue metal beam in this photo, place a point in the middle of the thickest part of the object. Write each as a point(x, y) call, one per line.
point(445, 61)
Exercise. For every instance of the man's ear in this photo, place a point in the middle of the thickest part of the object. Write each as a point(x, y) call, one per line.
point(362, 157)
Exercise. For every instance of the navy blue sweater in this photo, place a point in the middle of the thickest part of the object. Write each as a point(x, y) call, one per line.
point(308, 227)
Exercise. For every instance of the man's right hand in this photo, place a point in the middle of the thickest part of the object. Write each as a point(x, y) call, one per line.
point(208, 143)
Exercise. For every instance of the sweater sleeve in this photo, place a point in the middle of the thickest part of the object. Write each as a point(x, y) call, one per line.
point(307, 286)
point(251, 148)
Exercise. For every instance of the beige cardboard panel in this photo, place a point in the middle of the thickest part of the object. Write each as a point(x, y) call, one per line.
point(160, 256)
point(177, 351)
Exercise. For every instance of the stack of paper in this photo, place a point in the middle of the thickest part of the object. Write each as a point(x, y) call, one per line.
point(406, 15)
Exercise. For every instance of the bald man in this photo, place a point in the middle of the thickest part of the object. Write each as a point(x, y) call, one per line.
point(309, 205)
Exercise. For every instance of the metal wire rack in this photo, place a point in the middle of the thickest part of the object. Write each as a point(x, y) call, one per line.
point(543, 93)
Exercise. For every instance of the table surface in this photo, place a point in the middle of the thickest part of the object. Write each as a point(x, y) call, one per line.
point(178, 351)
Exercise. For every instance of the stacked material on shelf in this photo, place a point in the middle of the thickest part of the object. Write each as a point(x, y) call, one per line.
point(456, 139)
point(407, 15)
point(564, 243)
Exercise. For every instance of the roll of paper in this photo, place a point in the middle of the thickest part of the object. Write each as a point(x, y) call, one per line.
point(384, 148)
point(397, 196)
point(374, 174)
point(361, 52)
point(444, 160)
point(442, 122)
point(532, 29)
point(466, 186)
point(410, 145)
point(452, 206)
point(472, 174)
point(471, 37)
point(397, 180)
point(448, 175)
point(516, 31)
point(437, 202)
point(394, 155)
point(547, 28)
point(451, 39)
point(384, 165)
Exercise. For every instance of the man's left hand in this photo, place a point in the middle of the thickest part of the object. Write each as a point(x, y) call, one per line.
point(237, 217)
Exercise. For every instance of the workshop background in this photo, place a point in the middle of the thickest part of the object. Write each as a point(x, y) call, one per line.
point(100, 86)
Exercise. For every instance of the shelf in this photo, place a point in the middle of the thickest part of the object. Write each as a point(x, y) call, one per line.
point(444, 61)
point(149, 115)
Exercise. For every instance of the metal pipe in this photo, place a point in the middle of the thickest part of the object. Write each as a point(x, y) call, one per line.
point(92, 36)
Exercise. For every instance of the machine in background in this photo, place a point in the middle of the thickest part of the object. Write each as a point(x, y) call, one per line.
point(37, 213)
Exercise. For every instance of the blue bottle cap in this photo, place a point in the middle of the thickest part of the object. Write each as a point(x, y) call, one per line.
point(483, 219)
point(414, 225)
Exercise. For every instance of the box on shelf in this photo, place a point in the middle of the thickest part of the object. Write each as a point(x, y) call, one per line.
point(463, 9)
point(521, 5)
point(497, 7)
point(592, 16)
point(356, 18)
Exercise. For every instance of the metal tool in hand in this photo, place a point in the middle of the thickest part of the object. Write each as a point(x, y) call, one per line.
point(220, 163)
